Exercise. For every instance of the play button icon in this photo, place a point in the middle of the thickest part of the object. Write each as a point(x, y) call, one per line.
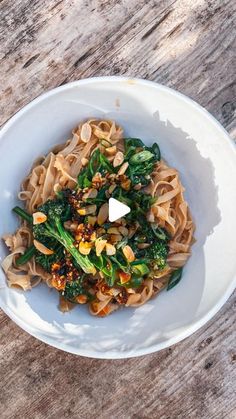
point(116, 209)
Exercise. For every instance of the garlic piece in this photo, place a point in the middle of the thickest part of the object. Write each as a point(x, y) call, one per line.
point(39, 218)
point(42, 249)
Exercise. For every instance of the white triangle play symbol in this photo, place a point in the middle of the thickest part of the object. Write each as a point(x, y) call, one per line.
point(117, 209)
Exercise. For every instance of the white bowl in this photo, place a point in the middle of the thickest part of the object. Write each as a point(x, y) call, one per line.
point(192, 141)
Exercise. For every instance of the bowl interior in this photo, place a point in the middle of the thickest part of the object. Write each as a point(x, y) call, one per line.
point(190, 140)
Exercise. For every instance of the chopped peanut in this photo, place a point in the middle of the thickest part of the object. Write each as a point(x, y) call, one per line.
point(93, 236)
point(128, 253)
point(103, 214)
point(90, 209)
point(97, 180)
point(110, 249)
point(113, 230)
point(85, 247)
point(114, 238)
point(92, 220)
point(58, 283)
point(99, 246)
point(100, 231)
point(123, 230)
point(126, 184)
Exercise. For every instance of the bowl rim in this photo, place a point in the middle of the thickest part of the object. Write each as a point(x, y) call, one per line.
point(189, 329)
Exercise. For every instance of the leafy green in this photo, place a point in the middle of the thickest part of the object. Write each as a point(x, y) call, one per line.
point(109, 270)
point(23, 214)
point(155, 150)
point(29, 253)
point(135, 282)
point(109, 266)
point(141, 160)
point(157, 239)
point(141, 269)
point(159, 232)
point(175, 278)
point(141, 157)
point(97, 163)
point(120, 261)
point(131, 144)
point(139, 262)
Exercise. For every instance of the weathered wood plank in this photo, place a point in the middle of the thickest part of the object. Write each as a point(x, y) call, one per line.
point(185, 44)
point(181, 42)
point(194, 379)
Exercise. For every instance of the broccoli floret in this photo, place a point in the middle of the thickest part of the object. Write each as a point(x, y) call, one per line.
point(57, 211)
point(158, 252)
point(56, 208)
point(73, 289)
point(46, 261)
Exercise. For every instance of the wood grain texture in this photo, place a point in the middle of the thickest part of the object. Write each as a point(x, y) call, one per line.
point(188, 45)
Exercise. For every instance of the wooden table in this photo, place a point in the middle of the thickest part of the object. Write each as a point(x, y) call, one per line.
point(184, 44)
